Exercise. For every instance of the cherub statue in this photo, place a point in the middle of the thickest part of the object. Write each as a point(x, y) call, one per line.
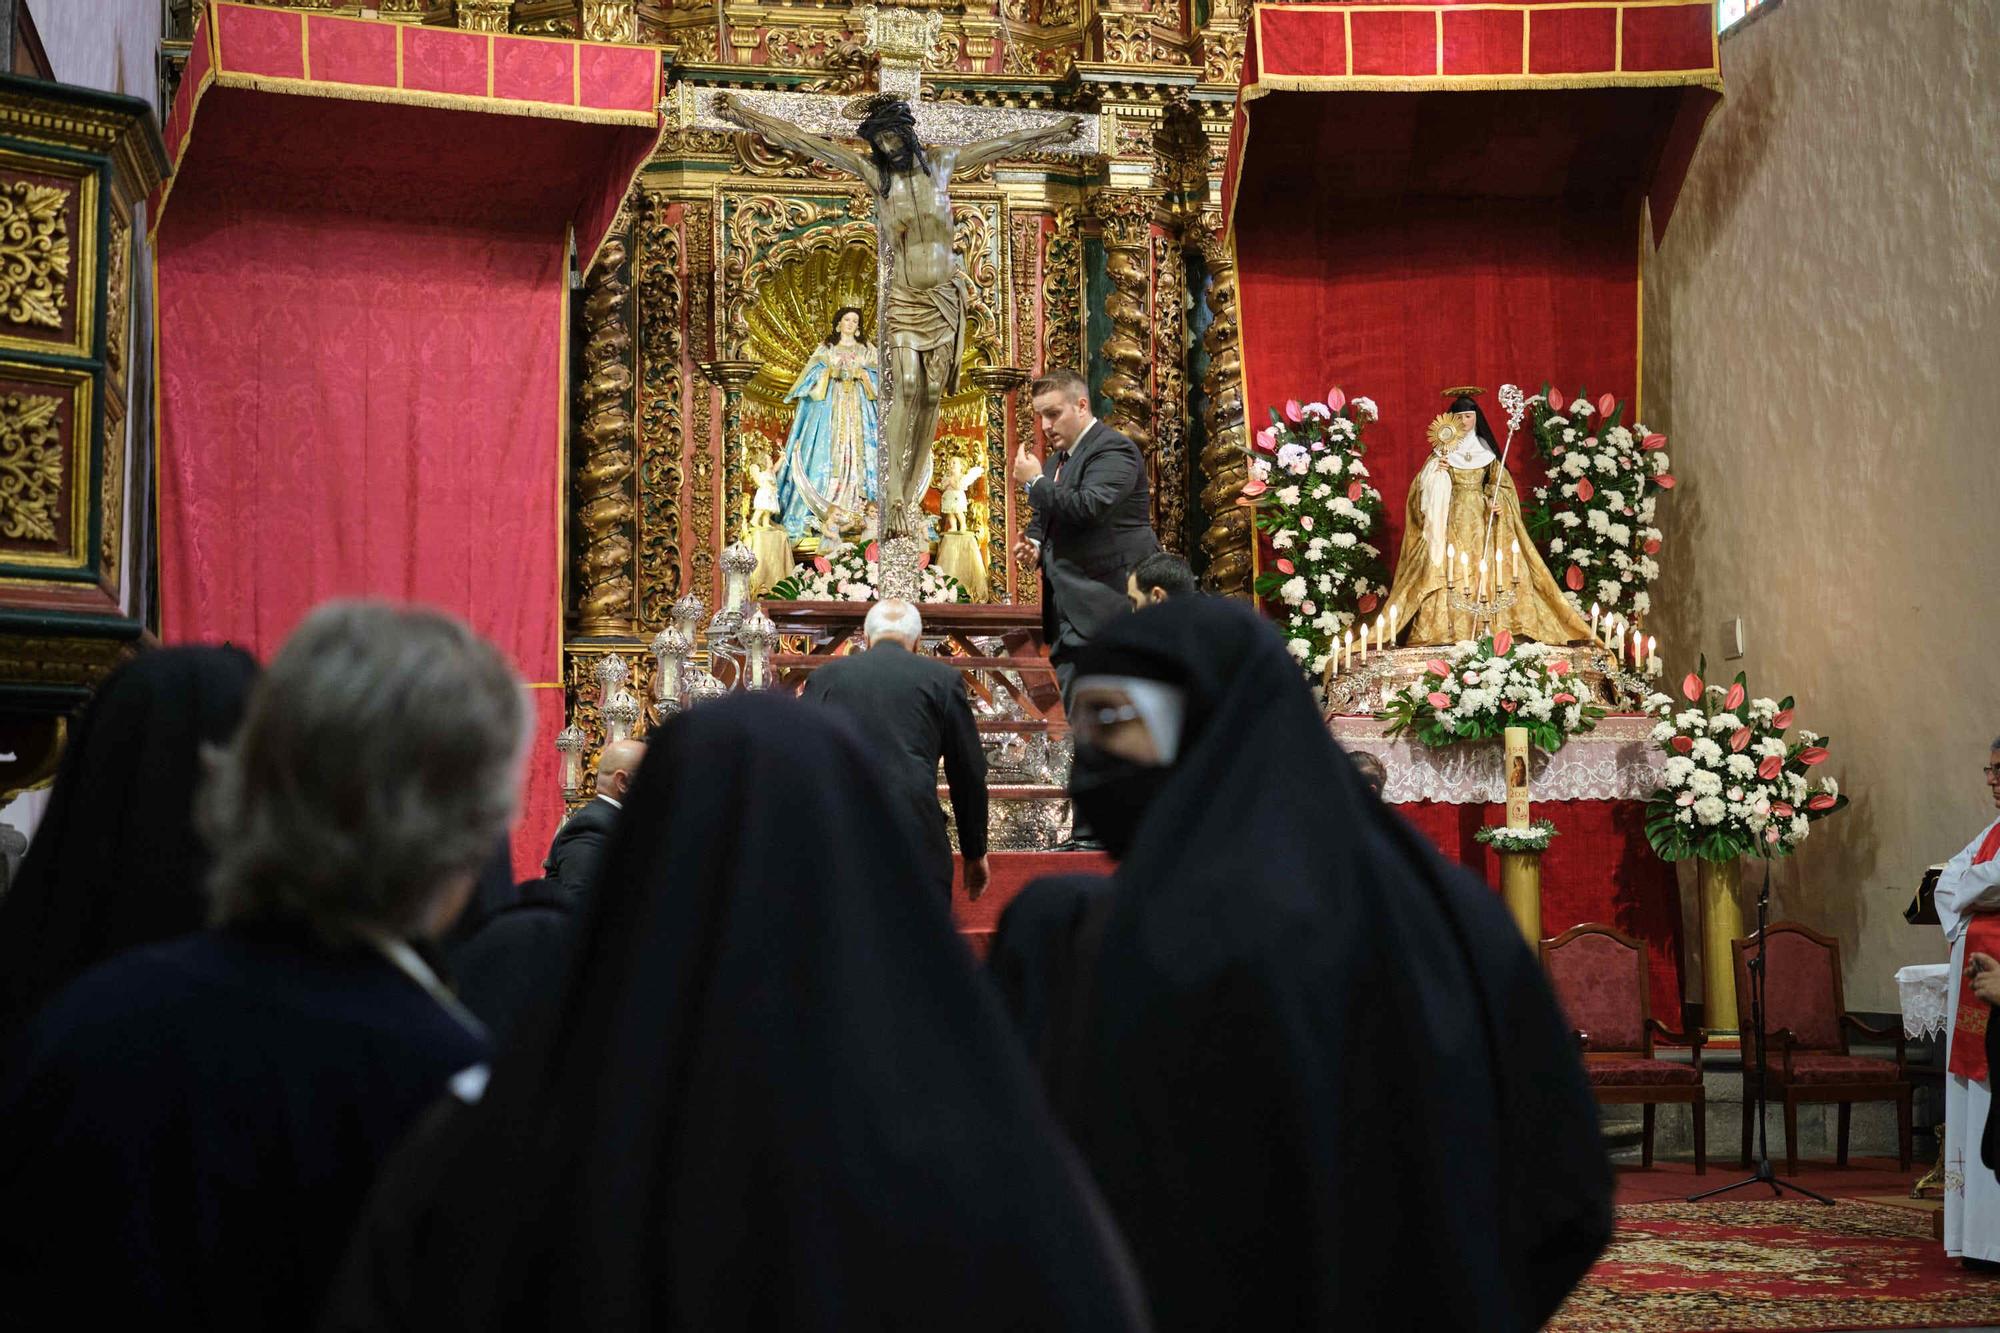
point(957, 480)
point(765, 511)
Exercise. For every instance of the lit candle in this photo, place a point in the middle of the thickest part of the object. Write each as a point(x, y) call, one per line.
point(1347, 638)
point(1378, 634)
point(1593, 622)
point(1638, 647)
point(1364, 645)
point(1480, 590)
point(1517, 562)
point(1464, 572)
point(1651, 644)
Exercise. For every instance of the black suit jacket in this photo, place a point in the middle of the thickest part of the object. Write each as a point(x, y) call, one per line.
point(579, 846)
point(1094, 523)
point(914, 711)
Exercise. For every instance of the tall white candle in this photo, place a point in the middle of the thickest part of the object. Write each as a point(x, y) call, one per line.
point(1593, 620)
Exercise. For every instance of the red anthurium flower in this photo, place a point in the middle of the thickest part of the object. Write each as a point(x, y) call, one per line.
point(1652, 548)
point(1584, 490)
point(1606, 405)
point(1691, 687)
point(1508, 705)
point(1654, 442)
point(1782, 809)
point(1821, 801)
point(1439, 699)
point(1565, 697)
point(924, 560)
point(1682, 744)
point(1254, 487)
point(822, 564)
point(1503, 643)
point(1556, 400)
point(1366, 604)
point(872, 554)
point(1733, 699)
point(1559, 668)
point(1267, 438)
point(1335, 400)
point(1354, 490)
point(1437, 666)
point(1812, 754)
point(1573, 579)
point(1665, 481)
point(1770, 768)
point(1782, 719)
point(1285, 567)
point(1739, 741)
point(1294, 411)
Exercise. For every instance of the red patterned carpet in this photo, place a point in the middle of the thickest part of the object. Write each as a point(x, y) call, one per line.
point(1764, 1264)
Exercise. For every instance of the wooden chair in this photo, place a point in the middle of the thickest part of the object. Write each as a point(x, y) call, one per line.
point(1599, 975)
point(1806, 1025)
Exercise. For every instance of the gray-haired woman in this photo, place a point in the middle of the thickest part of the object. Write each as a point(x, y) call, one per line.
point(188, 1130)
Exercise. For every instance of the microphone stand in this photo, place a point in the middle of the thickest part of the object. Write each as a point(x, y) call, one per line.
point(1763, 1175)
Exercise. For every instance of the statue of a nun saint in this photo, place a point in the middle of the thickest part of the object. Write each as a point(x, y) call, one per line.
point(1455, 491)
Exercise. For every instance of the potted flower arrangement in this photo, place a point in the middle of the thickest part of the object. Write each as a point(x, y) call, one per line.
point(1735, 784)
point(1595, 517)
point(1475, 691)
point(853, 574)
point(1534, 838)
point(1318, 509)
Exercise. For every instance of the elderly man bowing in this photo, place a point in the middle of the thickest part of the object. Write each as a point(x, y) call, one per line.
point(1968, 905)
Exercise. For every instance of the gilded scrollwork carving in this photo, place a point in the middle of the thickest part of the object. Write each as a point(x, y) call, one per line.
point(663, 381)
point(610, 21)
point(1024, 255)
point(34, 253)
point(118, 292)
point(974, 230)
point(1222, 53)
point(699, 222)
point(117, 315)
point(1062, 293)
point(755, 226)
point(485, 15)
point(1170, 480)
point(606, 510)
point(1225, 457)
point(31, 466)
point(1127, 223)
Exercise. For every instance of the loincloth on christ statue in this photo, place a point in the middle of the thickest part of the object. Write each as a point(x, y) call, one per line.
point(929, 320)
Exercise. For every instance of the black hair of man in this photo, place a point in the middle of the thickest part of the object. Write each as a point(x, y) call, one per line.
point(886, 114)
point(1169, 573)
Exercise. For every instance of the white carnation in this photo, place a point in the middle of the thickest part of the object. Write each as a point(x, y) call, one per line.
point(1709, 810)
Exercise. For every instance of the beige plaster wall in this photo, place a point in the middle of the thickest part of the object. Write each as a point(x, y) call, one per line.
point(1822, 350)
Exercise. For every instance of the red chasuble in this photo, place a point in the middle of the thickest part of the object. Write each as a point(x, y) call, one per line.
point(1982, 935)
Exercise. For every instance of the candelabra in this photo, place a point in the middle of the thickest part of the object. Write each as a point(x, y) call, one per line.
point(1483, 604)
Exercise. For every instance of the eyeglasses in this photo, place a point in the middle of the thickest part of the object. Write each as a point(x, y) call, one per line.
point(1991, 771)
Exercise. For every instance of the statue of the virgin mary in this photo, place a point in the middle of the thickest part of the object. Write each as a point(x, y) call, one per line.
point(826, 479)
point(1447, 533)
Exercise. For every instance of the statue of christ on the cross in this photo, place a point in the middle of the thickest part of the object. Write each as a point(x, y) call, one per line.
point(924, 309)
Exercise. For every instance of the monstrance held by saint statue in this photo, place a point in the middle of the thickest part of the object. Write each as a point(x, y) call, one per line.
point(1464, 543)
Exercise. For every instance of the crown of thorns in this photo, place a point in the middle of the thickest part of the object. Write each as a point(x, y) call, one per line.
point(885, 111)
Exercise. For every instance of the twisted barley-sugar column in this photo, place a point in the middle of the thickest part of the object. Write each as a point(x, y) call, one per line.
point(1225, 457)
point(605, 480)
point(1128, 222)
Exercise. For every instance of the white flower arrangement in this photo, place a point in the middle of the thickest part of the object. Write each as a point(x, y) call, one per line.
point(1748, 794)
point(852, 574)
point(1317, 511)
point(1534, 838)
point(1476, 690)
point(1595, 518)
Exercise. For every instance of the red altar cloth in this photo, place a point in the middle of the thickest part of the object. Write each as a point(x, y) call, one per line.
point(363, 288)
point(1431, 195)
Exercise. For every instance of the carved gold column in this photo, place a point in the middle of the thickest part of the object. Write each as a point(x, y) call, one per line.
point(730, 377)
point(1127, 218)
point(605, 481)
point(484, 15)
point(1225, 455)
point(998, 383)
point(660, 287)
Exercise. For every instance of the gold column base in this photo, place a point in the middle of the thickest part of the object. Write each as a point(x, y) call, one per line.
point(1521, 889)
point(1721, 923)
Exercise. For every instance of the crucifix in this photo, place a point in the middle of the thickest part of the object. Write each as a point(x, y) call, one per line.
point(913, 148)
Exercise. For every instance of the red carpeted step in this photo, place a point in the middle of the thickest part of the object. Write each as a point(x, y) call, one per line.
point(1010, 871)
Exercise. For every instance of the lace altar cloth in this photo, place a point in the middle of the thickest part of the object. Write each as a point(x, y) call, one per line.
point(1924, 989)
point(1614, 762)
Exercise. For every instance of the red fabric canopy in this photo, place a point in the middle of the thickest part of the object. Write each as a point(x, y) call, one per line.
point(363, 288)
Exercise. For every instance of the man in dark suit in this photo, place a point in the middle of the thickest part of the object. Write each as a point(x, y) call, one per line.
point(1093, 518)
point(1092, 524)
point(915, 711)
point(579, 844)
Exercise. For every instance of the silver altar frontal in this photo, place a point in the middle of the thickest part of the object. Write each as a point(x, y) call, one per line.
point(1617, 761)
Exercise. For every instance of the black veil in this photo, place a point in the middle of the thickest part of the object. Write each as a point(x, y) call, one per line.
point(1467, 403)
point(774, 1093)
point(116, 861)
point(1319, 1077)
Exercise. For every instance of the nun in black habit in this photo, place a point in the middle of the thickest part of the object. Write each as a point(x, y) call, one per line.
point(116, 861)
point(774, 1094)
point(1316, 1073)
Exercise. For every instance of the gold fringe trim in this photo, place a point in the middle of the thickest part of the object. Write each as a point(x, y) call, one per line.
point(359, 92)
point(1473, 83)
point(153, 215)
